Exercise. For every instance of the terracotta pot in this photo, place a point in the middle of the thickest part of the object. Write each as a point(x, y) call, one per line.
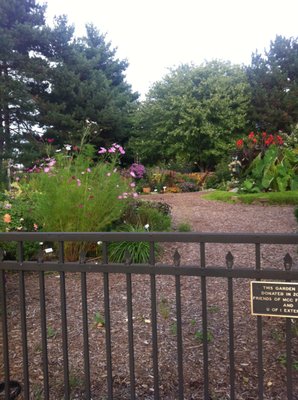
point(146, 190)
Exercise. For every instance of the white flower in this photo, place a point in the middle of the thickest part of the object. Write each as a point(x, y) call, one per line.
point(99, 243)
point(58, 151)
point(67, 147)
point(146, 227)
point(40, 243)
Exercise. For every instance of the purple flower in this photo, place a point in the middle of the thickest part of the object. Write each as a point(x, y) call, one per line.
point(138, 170)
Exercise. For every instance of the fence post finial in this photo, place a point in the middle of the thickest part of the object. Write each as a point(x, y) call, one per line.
point(229, 260)
point(177, 258)
point(288, 262)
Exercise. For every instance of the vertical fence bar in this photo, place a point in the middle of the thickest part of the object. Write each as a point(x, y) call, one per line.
point(43, 324)
point(230, 260)
point(288, 262)
point(154, 324)
point(179, 337)
point(64, 324)
point(260, 333)
point(289, 358)
point(23, 321)
point(85, 335)
point(4, 333)
point(204, 323)
point(130, 337)
point(107, 322)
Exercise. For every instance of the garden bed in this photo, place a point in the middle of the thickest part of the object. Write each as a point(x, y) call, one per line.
point(203, 215)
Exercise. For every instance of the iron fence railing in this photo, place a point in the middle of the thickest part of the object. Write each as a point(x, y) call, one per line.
point(229, 271)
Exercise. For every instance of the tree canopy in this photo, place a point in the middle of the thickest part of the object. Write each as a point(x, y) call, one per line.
point(273, 78)
point(51, 83)
point(192, 114)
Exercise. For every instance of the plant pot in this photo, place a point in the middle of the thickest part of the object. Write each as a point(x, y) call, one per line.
point(146, 189)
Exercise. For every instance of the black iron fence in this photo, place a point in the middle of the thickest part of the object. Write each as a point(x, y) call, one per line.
point(16, 270)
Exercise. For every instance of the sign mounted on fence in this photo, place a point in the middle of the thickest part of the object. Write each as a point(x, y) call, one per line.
point(275, 299)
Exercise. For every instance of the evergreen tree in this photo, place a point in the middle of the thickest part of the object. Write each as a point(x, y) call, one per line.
point(22, 72)
point(274, 84)
point(87, 84)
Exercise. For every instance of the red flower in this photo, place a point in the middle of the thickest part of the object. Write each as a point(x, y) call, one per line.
point(279, 140)
point(264, 134)
point(50, 140)
point(239, 143)
point(251, 135)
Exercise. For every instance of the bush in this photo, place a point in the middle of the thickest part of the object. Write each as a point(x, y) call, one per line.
point(16, 215)
point(154, 214)
point(188, 187)
point(296, 213)
point(74, 194)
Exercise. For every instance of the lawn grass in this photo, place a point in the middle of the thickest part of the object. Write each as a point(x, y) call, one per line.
point(281, 198)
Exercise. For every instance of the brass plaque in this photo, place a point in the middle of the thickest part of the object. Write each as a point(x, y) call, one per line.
point(275, 299)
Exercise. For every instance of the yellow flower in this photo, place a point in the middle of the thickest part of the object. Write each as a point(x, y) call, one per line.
point(7, 218)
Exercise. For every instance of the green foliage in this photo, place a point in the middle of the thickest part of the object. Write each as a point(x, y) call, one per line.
point(99, 320)
point(296, 213)
point(276, 170)
point(190, 115)
point(77, 195)
point(16, 214)
point(274, 85)
point(137, 252)
point(290, 197)
point(155, 215)
point(199, 336)
point(184, 227)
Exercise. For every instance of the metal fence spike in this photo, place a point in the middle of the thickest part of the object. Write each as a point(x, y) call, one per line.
point(177, 258)
point(288, 262)
point(127, 258)
point(229, 260)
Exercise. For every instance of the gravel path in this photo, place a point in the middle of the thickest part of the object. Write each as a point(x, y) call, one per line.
point(203, 216)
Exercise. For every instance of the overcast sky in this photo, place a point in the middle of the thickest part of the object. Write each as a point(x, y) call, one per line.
point(154, 35)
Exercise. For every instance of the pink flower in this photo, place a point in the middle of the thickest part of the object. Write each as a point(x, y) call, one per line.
point(120, 197)
point(79, 182)
point(88, 170)
point(46, 170)
point(132, 174)
point(135, 195)
point(102, 150)
point(132, 184)
point(35, 226)
point(52, 163)
point(50, 140)
point(121, 150)
point(112, 150)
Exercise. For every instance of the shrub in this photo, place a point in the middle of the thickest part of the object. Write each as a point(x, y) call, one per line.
point(184, 227)
point(75, 194)
point(188, 187)
point(141, 213)
point(16, 215)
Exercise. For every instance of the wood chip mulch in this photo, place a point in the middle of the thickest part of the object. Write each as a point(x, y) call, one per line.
point(203, 216)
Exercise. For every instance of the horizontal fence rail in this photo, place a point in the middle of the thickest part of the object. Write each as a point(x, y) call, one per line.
point(229, 271)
